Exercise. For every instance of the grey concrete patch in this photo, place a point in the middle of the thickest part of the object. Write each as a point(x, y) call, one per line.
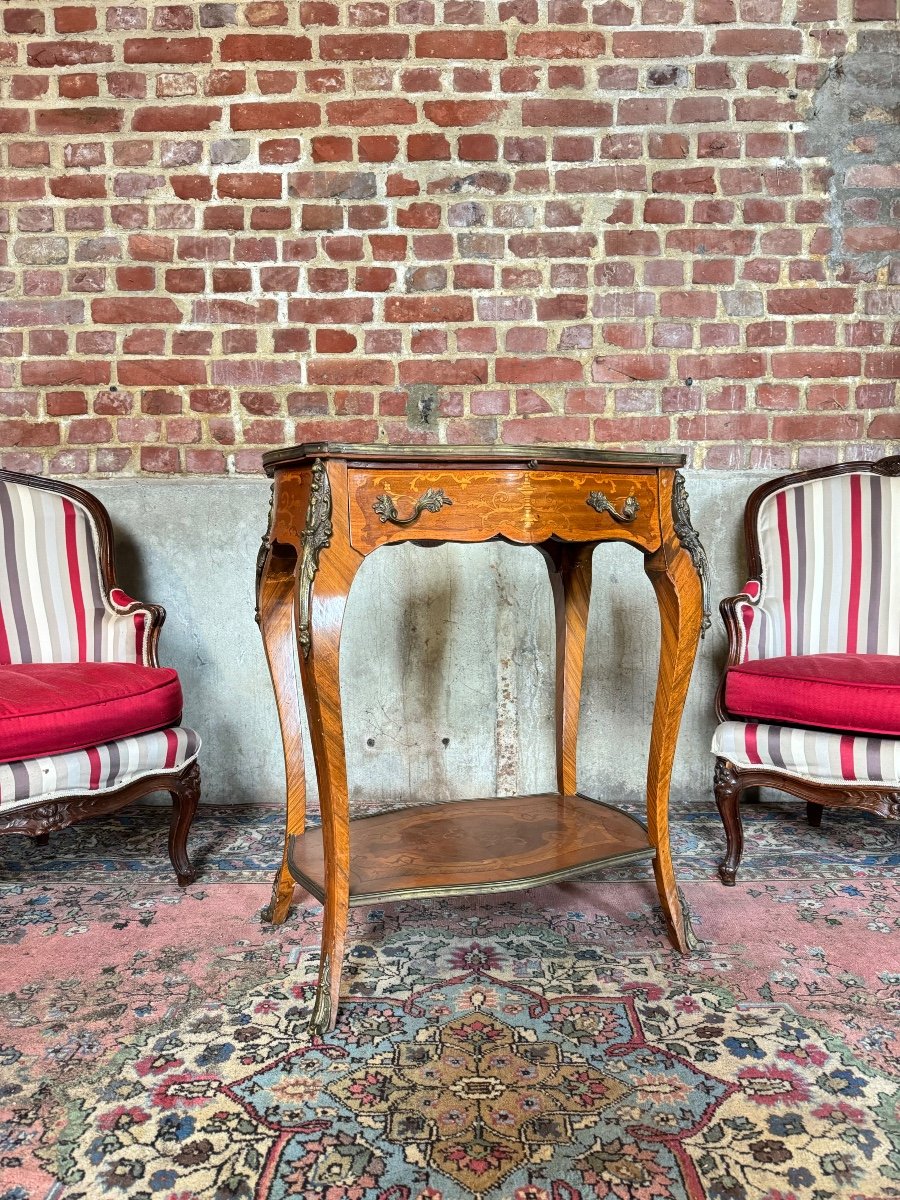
point(447, 661)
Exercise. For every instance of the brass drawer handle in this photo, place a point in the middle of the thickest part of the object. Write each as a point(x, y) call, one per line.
point(433, 501)
point(599, 502)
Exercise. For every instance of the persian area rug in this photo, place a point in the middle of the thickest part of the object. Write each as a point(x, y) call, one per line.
point(543, 1045)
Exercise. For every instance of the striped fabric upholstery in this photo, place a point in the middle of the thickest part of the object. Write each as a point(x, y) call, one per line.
point(827, 546)
point(811, 754)
point(102, 767)
point(52, 603)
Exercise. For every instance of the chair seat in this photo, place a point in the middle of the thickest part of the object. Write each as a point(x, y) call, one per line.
point(812, 754)
point(54, 708)
point(97, 769)
point(853, 693)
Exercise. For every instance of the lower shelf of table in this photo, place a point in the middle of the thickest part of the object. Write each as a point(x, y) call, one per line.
point(469, 846)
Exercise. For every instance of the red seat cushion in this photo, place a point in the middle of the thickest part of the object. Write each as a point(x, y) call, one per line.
point(51, 708)
point(853, 693)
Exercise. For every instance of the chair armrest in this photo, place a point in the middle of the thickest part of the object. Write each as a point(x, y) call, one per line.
point(134, 627)
point(738, 613)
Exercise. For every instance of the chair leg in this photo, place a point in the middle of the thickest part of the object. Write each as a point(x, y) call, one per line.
point(185, 793)
point(814, 814)
point(727, 788)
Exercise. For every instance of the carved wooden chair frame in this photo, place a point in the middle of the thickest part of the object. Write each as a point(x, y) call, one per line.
point(40, 818)
point(732, 782)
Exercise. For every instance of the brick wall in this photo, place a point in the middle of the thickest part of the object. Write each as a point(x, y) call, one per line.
point(228, 226)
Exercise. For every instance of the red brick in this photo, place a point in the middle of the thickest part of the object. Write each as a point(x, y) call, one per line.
point(68, 54)
point(168, 50)
point(24, 313)
point(461, 371)
point(883, 366)
point(560, 431)
point(462, 45)
point(183, 118)
point(686, 179)
point(808, 427)
point(721, 427)
point(36, 372)
point(875, 10)
point(265, 47)
point(462, 112)
point(584, 114)
point(15, 120)
point(366, 371)
point(885, 425)
point(812, 365)
point(28, 433)
point(371, 112)
point(428, 308)
point(553, 245)
point(374, 148)
point(721, 366)
point(733, 43)
point(234, 312)
point(277, 115)
point(427, 147)
point(799, 301)
point(79, 121)
point(161, 372)
point(250, 186)
point(641, 242)
point(362, 47)
point(621, 368)
point(332, 149)
point(478, 147)
point(124, 311)
point(342, 311)
point(663, 44)
point(552, 45)
point(23, 20)
point(865, 238)
point(192, 187)
point(539, 370)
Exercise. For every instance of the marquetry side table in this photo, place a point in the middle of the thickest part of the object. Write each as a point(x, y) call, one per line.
point(331, 506)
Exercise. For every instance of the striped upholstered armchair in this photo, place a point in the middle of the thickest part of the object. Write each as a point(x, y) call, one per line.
point(810, 699)
point(88, 719)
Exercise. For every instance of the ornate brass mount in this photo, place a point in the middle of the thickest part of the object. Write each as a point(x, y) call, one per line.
point(599, 502)
point(316, 536)
point(687, 535)
point(432, 501)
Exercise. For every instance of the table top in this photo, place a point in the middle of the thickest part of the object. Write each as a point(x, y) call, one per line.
point(509, 456)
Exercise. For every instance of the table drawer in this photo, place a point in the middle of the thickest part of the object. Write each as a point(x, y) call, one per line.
point(390, 505)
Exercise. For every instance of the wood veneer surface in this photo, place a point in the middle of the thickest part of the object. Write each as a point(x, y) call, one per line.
point(474, 845)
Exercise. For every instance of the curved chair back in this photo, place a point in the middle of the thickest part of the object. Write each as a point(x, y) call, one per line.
point(825, 547)
point(53, 598)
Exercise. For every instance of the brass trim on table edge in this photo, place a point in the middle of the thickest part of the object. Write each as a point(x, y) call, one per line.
point(474, 889)
point(528, 457)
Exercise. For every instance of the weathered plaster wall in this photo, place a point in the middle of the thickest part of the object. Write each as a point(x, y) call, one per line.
point(447, 667)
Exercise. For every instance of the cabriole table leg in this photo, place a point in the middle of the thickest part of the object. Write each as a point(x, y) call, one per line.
point(326, 573)
point(275, 615)
point(679, 597)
